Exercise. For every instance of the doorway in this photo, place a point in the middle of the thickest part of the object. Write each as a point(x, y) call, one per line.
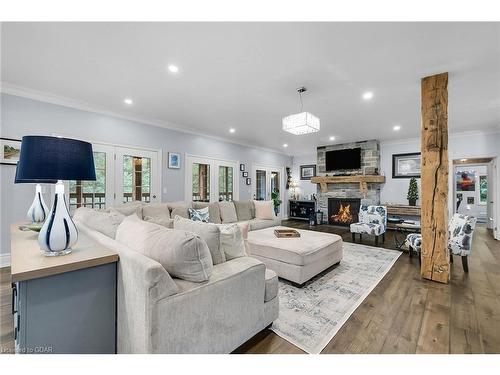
point(474, 187)
point(268, 181)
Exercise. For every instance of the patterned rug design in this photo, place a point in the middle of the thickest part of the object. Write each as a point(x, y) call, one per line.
point(310, 316)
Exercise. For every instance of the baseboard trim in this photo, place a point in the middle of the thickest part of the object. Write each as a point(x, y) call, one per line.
point(4, 260)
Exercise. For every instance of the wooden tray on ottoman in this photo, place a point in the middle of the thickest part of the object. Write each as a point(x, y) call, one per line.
point(286, 233)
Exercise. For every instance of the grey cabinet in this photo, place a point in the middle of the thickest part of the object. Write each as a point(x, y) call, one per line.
point(71, 312)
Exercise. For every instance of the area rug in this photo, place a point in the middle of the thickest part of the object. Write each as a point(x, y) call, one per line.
point(310, 316)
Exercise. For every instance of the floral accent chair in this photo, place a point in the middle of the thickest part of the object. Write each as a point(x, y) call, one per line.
point(460, 231)
point(372, 221)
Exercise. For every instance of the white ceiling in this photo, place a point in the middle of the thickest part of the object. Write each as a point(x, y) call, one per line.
point(244, 75)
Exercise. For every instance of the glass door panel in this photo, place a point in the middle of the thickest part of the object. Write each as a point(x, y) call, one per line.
point(260, 185)
point(201, 182)
point(275, 186)
point(91, 194)
point(225, 183)
point(137, 177)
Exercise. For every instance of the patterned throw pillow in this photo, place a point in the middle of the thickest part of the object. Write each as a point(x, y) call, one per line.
point(201, 214)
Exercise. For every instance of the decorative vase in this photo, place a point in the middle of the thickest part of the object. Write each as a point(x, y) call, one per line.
point(38, 211)
point(59, 232)
point(412, 202)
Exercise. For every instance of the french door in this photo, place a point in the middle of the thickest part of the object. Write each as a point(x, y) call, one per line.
point(211, 180)
point(268, 180)
point(122, 175)
point(135, 175)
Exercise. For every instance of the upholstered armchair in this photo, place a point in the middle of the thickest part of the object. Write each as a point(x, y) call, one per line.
point(372, 221)
point(461, 228)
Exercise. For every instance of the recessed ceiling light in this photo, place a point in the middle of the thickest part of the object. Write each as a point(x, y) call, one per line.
point(368, 95)
point(232, 130)
point(128, 101)
point(332, 138)
point(285, 145)
point(173, 68)
point(396, 128)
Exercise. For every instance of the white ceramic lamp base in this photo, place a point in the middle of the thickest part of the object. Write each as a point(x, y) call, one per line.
point(59, 232)
point(38, 211)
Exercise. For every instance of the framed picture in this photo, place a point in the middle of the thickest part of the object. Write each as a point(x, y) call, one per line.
point(483, 189)
point(249, 181)
point(174, 160)
point(307, 171)
point(470, 200)
point(406, 165)
point(245, 174)
point(242, 167)
point(466, 181)
point(10, 149)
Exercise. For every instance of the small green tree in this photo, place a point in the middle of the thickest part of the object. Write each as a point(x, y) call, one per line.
point(412, 191)
point(275, 197)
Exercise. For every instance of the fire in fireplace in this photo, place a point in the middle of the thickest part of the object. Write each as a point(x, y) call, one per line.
point(343, 211)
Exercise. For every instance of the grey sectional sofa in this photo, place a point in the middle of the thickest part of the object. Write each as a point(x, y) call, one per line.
point(157, 313)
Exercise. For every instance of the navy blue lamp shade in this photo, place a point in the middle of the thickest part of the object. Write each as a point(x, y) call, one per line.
point(47, 159)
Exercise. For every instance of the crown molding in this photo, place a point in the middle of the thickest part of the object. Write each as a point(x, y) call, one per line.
point(41, 96)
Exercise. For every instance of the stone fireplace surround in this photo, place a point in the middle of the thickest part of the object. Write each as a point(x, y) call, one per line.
point(370, 164)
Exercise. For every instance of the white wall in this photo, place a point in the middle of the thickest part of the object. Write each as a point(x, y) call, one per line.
point(305, 188)
point(21, 116)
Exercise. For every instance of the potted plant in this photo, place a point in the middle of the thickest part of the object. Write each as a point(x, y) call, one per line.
point(412, 192)
point(275, 197)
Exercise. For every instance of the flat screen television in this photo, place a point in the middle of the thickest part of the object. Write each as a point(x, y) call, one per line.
point(341, 160)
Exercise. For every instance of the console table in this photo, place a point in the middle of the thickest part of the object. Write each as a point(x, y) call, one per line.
point(301, 209)
point(403, 212)
point(64, 304)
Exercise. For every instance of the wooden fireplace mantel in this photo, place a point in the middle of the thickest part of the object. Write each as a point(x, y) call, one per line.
point(363, 181)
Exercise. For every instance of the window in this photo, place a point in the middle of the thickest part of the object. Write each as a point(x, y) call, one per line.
point(201, 182)
point(225, 183)
point(90, 194)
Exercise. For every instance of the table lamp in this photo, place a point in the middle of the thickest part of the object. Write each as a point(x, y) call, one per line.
point(47, 159)
point(38, 210)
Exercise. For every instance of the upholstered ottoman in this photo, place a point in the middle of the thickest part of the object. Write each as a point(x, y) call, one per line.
point(296, 259)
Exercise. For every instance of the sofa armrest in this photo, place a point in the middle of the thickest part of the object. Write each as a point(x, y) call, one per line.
point(141, 282)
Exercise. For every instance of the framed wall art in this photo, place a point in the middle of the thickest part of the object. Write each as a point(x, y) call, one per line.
point(10, 149)
point(406, 165)
point(174, 160)
point(307, 171)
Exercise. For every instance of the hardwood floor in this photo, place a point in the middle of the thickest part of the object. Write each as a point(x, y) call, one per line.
point(403, 314)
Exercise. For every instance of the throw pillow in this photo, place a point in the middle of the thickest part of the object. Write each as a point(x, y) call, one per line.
point(213, 210)
point(104, 222)
point(264, 210)
point(208, 232)
point(244, 210)
point(227, 212)
point(201, 214)
point(183, 254)
point(157, 213)
point(232, 242)
point(179, 208)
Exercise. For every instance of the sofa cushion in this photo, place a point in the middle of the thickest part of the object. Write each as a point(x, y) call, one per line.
point(227, 212)
point(182, 254)
point(208, 232)
point(129, 208)
point(271, 285)
point(257, 224)
point(104, 222)
point(244, 210)
point(264, 210)
point(157, 213)
point(201, 214)
point(213, 211)
point(232, 242)
point(179, 208)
